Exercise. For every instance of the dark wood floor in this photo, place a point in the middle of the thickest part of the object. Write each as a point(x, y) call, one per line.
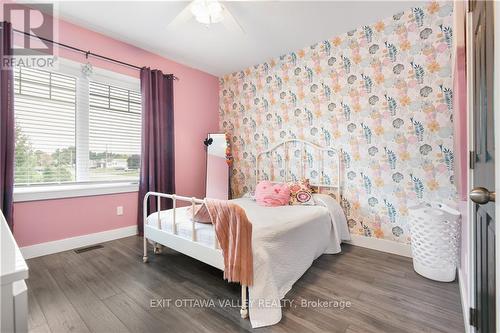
point(110, 290)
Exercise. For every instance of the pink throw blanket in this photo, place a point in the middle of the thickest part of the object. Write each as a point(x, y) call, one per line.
point(234, 232)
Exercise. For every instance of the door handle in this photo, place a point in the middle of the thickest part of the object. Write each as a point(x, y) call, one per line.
point(481, 196)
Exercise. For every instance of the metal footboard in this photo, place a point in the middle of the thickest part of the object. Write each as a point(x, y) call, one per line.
point(186, 243)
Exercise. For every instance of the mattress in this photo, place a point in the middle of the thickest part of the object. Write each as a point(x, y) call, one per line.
point(277, 217)
point(204, 231)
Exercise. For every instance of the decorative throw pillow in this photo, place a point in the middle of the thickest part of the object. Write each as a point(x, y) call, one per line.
point(201, 214)
point(301, 193)
point(249, 195)
point(272, 194)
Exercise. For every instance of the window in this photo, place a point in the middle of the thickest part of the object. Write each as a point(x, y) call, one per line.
point(72, 129)
point(115, 132)
point(45, 107)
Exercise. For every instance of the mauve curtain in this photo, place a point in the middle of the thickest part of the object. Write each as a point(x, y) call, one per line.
point(157, 152)
point(7, 127)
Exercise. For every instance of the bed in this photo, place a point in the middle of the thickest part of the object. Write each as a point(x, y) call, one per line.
point(285, 240)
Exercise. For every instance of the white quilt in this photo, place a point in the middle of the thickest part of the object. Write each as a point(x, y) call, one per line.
point(285, 242)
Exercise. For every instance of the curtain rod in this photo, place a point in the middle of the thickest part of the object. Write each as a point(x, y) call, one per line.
point(87, 53)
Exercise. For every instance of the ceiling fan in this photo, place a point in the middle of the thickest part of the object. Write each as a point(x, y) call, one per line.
point(207, 12)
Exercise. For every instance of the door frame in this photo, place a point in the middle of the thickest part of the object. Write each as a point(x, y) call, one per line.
point(471, 242)
point(496, 108)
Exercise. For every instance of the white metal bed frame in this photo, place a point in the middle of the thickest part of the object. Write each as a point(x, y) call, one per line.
point(304, 144)
point(213, 255)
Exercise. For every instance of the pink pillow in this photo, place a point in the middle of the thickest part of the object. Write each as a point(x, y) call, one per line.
point(272, 195)
point(200, 214)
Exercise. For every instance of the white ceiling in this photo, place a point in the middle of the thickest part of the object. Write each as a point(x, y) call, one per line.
point(272, 28)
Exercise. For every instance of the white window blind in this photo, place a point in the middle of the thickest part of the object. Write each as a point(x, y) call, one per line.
point(114, 132)
point(72, 129)
point(45, 106)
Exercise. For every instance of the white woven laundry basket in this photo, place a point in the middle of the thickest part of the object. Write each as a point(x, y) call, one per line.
point(435, 240)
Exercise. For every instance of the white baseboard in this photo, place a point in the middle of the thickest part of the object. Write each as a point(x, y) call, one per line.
point(383, 245)
point(66, 244)
point(465, 300)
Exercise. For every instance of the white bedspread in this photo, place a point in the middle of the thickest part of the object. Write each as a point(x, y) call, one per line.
point(285, 241)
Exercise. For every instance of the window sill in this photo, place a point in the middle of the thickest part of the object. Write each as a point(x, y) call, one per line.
point(37, 193)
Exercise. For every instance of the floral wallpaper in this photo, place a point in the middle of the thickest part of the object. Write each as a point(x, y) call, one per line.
point(382, 93)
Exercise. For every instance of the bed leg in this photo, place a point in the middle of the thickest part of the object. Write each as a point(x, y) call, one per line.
point(157, 248)
point(145, 256)
point(244, 308)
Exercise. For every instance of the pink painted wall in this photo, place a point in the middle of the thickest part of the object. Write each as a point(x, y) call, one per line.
point(196, 103)
point(461, 144)
point(460, 123)
point(218, 178)
point(461, 148)
point(48, 220)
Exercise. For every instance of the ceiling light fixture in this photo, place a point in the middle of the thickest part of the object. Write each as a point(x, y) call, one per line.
point(207, 11)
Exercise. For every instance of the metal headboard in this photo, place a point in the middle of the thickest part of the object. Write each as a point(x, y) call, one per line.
point(321, 172)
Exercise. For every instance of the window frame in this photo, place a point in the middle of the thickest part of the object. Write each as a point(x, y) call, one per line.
point(82, 187)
